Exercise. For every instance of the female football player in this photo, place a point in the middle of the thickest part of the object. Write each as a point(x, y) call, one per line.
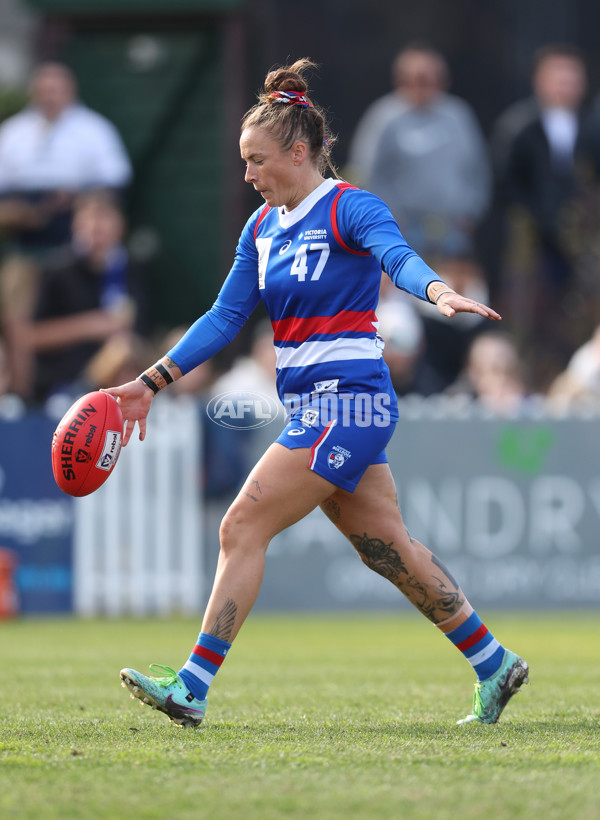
point(314, 253)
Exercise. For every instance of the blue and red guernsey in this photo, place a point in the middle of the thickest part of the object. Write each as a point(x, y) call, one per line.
point(317, 268)
point(321, 295)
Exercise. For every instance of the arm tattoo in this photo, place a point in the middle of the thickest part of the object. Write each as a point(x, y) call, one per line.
point(223, 625)
point(253, 497)
point(379, 556)
point(332, 510)
point(257, 485)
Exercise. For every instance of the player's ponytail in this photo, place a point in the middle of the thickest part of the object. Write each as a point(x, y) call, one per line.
point(286, 111)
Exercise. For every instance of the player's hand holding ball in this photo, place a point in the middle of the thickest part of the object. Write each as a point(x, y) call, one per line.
point(134, 400)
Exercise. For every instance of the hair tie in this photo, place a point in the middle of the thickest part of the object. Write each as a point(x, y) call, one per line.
point(291, 98)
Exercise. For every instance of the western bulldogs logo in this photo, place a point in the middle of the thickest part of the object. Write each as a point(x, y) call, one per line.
point(338, 457)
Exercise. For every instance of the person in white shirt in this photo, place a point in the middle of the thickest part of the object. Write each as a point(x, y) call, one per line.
point(52, 150)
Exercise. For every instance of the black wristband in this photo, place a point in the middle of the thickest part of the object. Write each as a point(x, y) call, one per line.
point(149, 383)
point(164, 373)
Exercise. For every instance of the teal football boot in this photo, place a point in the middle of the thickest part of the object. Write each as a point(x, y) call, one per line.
point(167, 693)
point(492, 695)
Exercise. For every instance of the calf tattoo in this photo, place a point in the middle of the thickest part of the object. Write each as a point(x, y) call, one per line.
point(434, 600)
point(435, 594)
point(225, 620)
point(379, 556)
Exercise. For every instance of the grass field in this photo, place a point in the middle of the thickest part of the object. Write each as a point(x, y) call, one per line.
point(310, 717)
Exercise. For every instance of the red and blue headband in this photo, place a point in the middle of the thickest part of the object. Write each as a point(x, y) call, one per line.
point(291, 98)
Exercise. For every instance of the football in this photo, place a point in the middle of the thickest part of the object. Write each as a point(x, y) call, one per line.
point(86, 443)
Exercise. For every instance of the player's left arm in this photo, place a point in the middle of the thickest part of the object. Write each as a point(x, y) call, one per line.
point(366, 223)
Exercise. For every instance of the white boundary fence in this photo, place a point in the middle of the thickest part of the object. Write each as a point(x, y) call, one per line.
point(139, 543)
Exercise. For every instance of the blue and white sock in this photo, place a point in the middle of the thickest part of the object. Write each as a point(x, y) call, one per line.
point(478, 645)
point(203, 664)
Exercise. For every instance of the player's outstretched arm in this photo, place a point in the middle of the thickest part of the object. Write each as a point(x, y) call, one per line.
point(135, 397)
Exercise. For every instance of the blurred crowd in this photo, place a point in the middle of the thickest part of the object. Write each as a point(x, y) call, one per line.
point(512, 220)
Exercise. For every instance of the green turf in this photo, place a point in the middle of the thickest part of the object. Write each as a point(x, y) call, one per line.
point(310, 717)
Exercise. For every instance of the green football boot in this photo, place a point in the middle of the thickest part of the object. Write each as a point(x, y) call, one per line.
point(167, 693)
point(492, 695)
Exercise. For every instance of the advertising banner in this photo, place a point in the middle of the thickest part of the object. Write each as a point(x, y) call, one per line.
point(36, 518)
point(512, 507)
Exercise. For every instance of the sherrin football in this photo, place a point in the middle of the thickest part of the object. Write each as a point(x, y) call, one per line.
point(86, 443)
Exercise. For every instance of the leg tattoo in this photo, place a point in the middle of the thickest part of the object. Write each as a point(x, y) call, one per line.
point(432, 594)
point(332, 510)
point(256, 489)
point(435, 601)
point(379, 556)
point(223, 625)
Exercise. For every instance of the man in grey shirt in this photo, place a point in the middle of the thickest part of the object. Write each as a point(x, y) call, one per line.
point(422, 151)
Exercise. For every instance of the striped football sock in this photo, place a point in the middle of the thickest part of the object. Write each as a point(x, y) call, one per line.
point(478, 645)
point(203, 664)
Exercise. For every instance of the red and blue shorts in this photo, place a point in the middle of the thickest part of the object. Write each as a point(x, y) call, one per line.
point(343, 437)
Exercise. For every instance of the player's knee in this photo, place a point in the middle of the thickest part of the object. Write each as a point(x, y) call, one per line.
point(230, 531)
point(238, 531)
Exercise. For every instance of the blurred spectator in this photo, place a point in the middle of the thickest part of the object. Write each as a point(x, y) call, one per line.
point(402, 330)
point(558, 85)
point(18, 289)
point(542, 156)
point(91, 292)
point(580, 381)
point(49, 152)
point(447, 341)
point(493, 374)
point(422, 151)
point(10, 404)
point(121, 359)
